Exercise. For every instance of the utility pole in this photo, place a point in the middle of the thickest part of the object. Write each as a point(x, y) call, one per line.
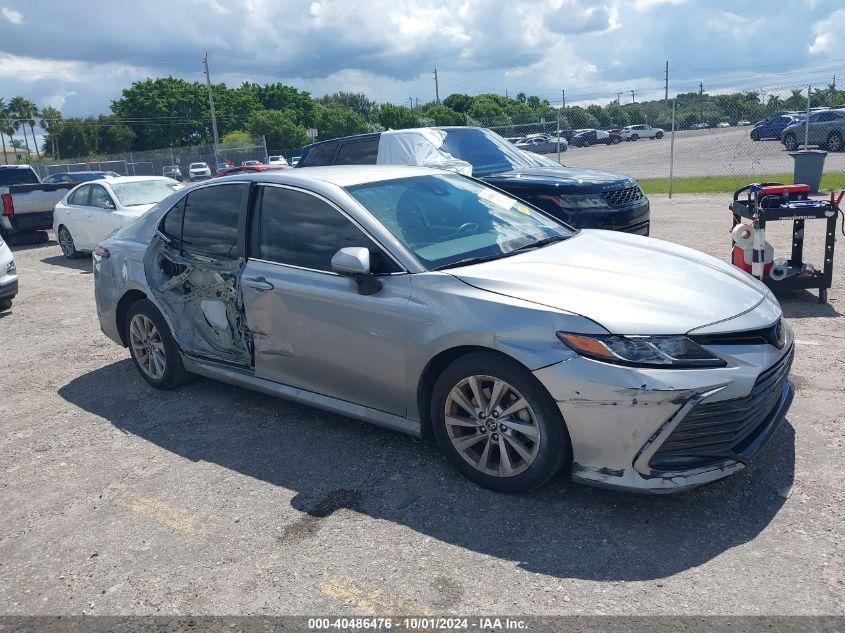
point(436, 88)
point(563, 97)
point(633, 100)
point(211, 106)
point(619, 98)
point(666, 85)
point(701, 98)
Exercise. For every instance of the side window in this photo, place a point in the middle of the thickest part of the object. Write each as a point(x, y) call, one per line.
point(171, 225)
point(80, 196)
point(358, 153)
point(321, 155)
point(299, 229)
point(210, 225)
point(100, 198)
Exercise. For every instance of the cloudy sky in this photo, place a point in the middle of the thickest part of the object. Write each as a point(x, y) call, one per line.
point(79, 55)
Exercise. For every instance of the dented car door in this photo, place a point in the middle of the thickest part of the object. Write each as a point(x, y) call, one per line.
point(193, 268)
point(310, 326)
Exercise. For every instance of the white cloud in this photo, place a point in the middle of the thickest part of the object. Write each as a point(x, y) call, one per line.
point(826, 33)
point(14, 17)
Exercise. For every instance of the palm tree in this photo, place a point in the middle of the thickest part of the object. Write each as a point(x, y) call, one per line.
point(24, 112)
point(3, 112)
point(51, 120)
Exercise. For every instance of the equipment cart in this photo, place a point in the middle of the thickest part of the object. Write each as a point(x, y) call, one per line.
point(769, 202)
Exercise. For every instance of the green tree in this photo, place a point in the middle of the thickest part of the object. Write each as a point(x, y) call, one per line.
point(235, 138)
point(4, 115)
point(578, 118)
point(600, 115)
point(278, 128)
point(396, 117)
point(459, 102)
point(333, 120)
point(355, 101)
point(23, 113)
point(443, 115)
point(114, 137)
point(80, 137)
point(617, 115)
point(51, 122)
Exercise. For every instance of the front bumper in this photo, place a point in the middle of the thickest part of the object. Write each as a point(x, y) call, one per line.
point(618, 418)
point(9, 289)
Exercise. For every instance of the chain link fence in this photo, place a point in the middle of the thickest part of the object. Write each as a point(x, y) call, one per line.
point(156, 162)
point(692, 136)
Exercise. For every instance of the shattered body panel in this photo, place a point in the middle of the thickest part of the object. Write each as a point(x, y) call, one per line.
point(202, 299)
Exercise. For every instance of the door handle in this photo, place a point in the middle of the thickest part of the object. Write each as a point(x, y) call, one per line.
point(259, 283)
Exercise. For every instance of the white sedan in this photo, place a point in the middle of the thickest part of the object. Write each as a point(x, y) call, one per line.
point(92, 211)
point(634, 132)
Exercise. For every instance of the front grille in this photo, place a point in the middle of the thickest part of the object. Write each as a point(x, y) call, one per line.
point(715, 431)
point(621, 197)
point(773, 335)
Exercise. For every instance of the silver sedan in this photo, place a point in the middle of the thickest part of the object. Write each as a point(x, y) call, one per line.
point(430, 303)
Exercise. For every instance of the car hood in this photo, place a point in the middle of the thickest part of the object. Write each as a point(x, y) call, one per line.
point(553, 180)
point(626, 283)
point(137, 211)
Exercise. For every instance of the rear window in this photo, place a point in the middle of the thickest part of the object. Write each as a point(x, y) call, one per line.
point(320, 155)
point(17, 177)
point(358, 153)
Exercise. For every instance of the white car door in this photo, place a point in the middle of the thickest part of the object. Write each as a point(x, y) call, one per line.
point(103, 218)
point(74, 213)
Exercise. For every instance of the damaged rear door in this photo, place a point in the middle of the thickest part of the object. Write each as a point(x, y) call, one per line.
point(193, 268)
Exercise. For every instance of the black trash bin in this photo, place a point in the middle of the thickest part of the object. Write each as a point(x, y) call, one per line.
point(809, 165)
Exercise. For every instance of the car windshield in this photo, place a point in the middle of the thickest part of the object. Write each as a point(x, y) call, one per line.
point(448, 220)
point(133, 194)
point(198, 165)
point(486, 151)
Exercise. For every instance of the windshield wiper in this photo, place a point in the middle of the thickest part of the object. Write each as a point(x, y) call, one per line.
point(470, 260)
point(541, 243)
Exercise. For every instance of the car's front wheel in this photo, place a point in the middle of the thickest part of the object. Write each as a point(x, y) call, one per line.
point(497, 424)
point(834, 142)
point(659, 135)
point(634, 137)
point(154, 351)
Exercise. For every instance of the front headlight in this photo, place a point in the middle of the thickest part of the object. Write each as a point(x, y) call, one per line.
point(578, 201)
point(660, 352)
point(11, 269)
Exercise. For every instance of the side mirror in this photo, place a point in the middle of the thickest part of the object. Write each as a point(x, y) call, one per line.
point(354, 261)
point(110, 205)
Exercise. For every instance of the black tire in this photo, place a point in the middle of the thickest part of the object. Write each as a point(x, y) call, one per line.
point(66, 243)
point(659, 135)
point(790, 142)
point(174, 373)
point(754, 136)
point(634, 137)
point(834, 142)
point(554, 450)
point(5, 304)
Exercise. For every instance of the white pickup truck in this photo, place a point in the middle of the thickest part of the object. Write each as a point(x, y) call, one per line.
point(27, 203)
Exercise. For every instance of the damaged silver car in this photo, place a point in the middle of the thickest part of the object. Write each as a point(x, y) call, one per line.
point(431, 303)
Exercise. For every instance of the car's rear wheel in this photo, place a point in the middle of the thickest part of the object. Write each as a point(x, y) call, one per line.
point(5, 304)
point(154, 351)
point(497, 424)
point(790, 142)
point(66, 243)
point(659, 135)
point(834, 142)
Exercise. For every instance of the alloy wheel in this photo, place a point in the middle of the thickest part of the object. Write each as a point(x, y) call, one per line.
point(147, 346)
point(66, 243)
point(492, 426)
point(834, 143)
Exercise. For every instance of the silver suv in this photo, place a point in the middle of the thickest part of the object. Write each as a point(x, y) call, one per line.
point(430, 303)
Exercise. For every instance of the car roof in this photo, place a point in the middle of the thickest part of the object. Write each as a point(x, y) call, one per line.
point(126, 179)
point(340, 175)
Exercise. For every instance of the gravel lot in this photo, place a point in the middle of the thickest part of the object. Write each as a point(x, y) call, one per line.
point(211, 499)
point(713, 152)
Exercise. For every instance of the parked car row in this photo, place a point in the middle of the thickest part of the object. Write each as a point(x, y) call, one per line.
point(548, 143)
point(825, 129)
